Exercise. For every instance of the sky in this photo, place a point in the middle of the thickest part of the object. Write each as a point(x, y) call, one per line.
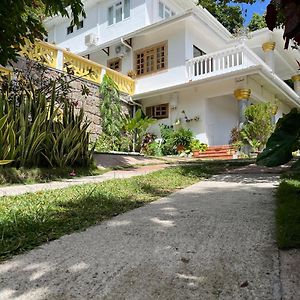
point(259, 7)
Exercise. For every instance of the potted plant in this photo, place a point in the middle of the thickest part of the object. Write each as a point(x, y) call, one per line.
point(195, 146)
point(131, 74)
point(182, 139)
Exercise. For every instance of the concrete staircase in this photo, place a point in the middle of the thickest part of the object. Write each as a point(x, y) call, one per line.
point(216, 152)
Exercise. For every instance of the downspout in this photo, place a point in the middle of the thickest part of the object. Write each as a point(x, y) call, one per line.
point(125, 44)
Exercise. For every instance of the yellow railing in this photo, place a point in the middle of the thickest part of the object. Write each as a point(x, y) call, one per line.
point(125, 83)
point(82, 67)
point(5, 71)
point(40, 51)
point(61, 59)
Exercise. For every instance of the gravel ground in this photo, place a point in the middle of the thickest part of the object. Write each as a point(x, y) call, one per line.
point(213, 240)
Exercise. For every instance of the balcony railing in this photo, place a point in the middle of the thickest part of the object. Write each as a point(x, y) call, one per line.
point(61, 59)
point(5, 71)
point(220, 62)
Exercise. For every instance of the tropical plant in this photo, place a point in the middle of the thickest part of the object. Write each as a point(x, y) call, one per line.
point(283, 142)
point(167, 145)
point(259, 125)
point(182, 137)
point(136, 128)
point(196, 145)
point(36, 130)
point(112, 117)
point(257, 22)
point(26, 21)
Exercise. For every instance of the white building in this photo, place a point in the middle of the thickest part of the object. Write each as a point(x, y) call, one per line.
point(190, 71)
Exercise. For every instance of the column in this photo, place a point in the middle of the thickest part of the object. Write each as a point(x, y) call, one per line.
point(296, 80)
point(268, 48)
point(242, 95)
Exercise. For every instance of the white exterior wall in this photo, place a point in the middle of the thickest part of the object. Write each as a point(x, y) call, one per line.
point(217, 110)
point(176, 71)
point(96, 22)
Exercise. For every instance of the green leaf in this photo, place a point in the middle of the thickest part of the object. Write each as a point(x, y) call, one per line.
point(284, 141)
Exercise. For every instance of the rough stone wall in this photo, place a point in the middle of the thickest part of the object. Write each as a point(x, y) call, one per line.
point(90, 102)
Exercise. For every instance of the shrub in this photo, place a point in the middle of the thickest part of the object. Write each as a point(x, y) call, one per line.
point(258, 126)
point(196, 145)
point(39, 128)
point(182, 137)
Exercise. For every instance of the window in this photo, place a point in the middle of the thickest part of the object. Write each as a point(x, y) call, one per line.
point(115, 64)
point(70, 29)
point(164, 11)
point(197, 52)
point(118, 12)
point(80, 25)
point(160, 111)
point(151, 59)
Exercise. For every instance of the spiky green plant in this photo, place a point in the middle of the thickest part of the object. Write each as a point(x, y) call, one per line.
point(37, 130)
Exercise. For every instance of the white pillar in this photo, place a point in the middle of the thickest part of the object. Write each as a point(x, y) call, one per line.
point(268, 48)
point(296, 80)
point(242, 95)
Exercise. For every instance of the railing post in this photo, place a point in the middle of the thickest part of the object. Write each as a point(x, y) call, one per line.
point(103, 72)
point(60, 60)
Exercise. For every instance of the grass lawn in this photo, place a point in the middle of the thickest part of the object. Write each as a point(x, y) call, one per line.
point(10, 175)
point(288, 212)
point(29, 220)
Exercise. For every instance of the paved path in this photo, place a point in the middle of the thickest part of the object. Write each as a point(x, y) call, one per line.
point(213, 240)
point(19, 189)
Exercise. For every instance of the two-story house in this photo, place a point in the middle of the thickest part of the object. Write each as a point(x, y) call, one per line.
point(189, 70)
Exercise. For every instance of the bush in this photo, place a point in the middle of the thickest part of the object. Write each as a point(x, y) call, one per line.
point(183, 137)
point(258, 126)
point(196, 145)
point(40, 128)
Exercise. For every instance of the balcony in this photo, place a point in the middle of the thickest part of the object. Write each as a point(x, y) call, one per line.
point(62, 59)
point(221, 62)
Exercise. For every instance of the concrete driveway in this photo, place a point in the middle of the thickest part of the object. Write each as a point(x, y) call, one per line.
point(213, 240)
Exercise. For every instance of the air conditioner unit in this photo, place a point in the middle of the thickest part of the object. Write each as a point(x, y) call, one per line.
point(121, 50)
point(90, 40)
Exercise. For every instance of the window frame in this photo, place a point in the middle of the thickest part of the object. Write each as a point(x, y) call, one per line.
point(120, 4)
point(155, 111)
point(70, 29)
point(80, 25)
point(145, 52)
point(199, 50)
point(165, 8)
point(114, 60)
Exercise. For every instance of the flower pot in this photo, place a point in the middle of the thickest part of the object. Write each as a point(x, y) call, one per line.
point(180, 148)
point(196, 153)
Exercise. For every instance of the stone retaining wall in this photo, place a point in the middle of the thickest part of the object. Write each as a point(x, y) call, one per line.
point(90, 102)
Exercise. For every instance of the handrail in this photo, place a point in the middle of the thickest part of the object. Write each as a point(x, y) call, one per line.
point(5, 71)
point(220, 62)
point(64, 60)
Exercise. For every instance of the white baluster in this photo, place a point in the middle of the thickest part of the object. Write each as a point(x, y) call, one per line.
point(60, 60)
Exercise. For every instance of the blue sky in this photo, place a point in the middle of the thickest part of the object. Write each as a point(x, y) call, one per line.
point(259, 7)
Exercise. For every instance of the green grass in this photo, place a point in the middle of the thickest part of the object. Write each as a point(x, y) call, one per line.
point(29, 220)
point(288, 212)
point(10, 175)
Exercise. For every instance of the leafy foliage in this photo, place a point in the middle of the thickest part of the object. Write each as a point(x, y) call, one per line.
point(229, 16)
point(36, 130)
point(257, 22)
point(23, 19)
point(258, 126)
point(196, 145)
point(112, 117)
point(171, 139)
point(283, 142)
point(284, 13)
point(136, 128)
